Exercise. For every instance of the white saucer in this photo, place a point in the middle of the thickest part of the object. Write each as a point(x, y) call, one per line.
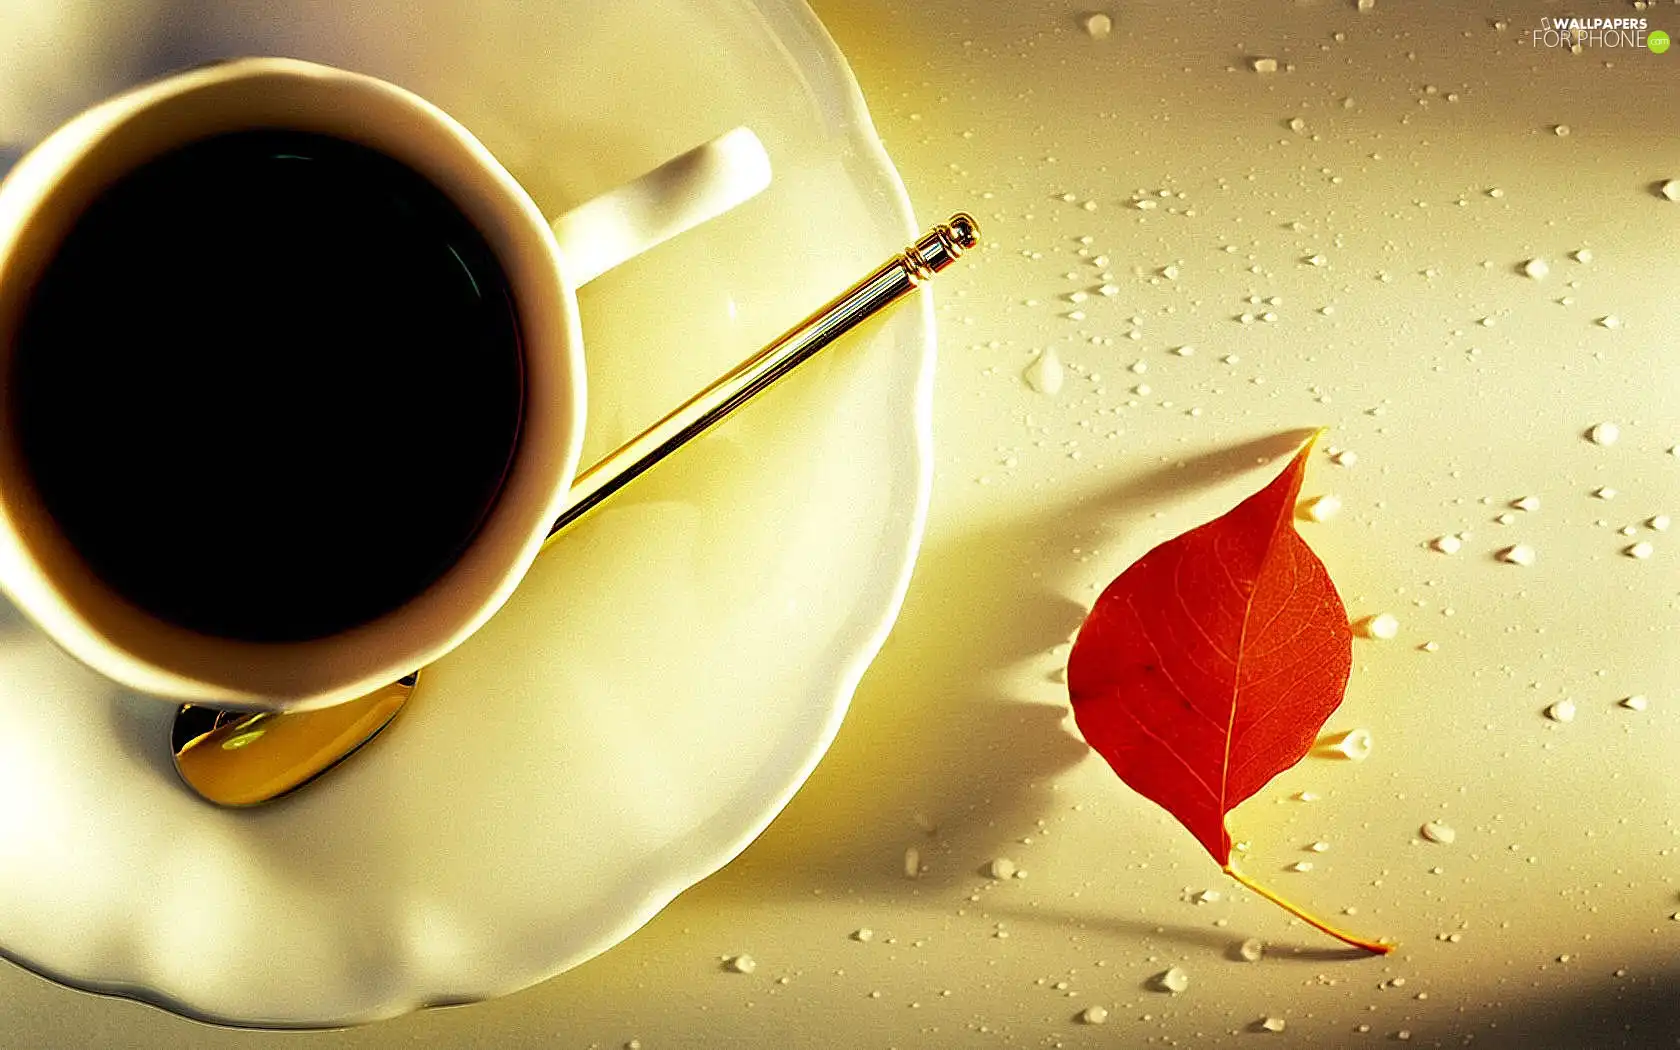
point(670, 672)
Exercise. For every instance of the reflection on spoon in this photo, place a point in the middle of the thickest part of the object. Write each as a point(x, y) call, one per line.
point(235, 758)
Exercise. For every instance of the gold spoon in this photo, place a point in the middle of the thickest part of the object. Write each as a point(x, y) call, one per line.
point(242, 758)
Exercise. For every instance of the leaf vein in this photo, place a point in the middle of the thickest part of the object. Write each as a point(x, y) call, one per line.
point(1161, 666)
point(1169, 749)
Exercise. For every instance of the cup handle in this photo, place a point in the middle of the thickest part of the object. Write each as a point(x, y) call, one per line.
point(678, 195)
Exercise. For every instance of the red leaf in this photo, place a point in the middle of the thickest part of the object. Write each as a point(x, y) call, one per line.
point(1210, 665)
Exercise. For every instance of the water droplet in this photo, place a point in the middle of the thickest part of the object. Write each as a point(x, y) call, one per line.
point(1093, 1015)
point(1659, 523)
point(742, 964)
point(1536, 268)
point(1172, 979)
point(1305, 796)
point(1365, 5)
point(1207, 897)
point(1640, 550)
point(1109, 290)
point(1270, 65)
point(1321, 508)
point(1561, 711)
point(1496, 193)
point(1098, 26)
point(1671, 189)
point(1448, 544)
point(1582, 255)
point(1301, 865)
point(1315, 260)
point(1609, 321)
point(1560, 130)
point(1045, 373)
point(1344, 457)
point(1170, 272)
point(1604, 492)
point(1000, 868)
point(1529, 503)
point(1320, 847)
point(1435, 831)
point(1517, 554)
point(912, 863)
point(1382, 626)
point(1296, 124)
point(1636, 702)
point(1354, 745)
point(1272, 1024)
point(1251, 950)
point(1603, 434)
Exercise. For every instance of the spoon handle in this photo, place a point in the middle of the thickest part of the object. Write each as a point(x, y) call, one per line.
point(894, 279)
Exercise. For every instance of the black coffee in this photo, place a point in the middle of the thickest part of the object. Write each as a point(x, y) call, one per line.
point(270, 385)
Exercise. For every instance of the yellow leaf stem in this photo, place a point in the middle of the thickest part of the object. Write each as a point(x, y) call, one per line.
point(1374, 947)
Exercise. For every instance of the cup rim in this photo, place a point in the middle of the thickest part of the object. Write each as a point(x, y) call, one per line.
point(41, 198)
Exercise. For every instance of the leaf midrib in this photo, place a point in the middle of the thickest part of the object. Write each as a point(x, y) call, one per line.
point(1242, 652)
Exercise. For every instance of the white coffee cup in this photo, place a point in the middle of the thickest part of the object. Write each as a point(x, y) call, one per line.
point(544, 261)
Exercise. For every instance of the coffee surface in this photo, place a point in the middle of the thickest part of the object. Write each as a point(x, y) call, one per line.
point(270, 385)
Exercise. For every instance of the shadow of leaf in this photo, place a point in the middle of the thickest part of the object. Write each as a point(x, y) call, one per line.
point(1227, 942)
point(932, 741)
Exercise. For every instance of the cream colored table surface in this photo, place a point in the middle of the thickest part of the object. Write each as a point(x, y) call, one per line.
point(1431, 161)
